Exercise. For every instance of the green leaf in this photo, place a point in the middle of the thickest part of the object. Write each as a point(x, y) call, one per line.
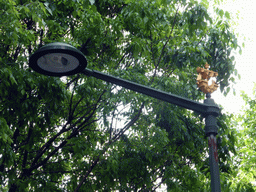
point(46, 4)
point(240, 51)
point(227, 14)
point(221, 13)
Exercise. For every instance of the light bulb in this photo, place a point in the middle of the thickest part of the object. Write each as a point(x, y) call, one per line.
point(58, 62)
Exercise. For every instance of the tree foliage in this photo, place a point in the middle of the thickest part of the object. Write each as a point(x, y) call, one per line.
point(80, 133)
point(243, 162)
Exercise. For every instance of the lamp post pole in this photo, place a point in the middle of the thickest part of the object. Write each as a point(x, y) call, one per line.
point(211, 130)
point(208, 109)
point(60, 59)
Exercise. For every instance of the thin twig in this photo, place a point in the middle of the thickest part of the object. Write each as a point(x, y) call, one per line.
point(168, 39)
point(117, 136)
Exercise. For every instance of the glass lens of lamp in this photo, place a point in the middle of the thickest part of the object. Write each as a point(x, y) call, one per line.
point(58, 62)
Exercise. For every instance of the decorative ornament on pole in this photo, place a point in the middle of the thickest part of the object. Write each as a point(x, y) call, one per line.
point(203, 77)
point(211, 127)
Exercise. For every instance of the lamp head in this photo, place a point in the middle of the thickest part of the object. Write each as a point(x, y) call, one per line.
point(58, 59)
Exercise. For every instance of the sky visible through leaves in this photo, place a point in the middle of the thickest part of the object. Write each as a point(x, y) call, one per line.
point(245, 63)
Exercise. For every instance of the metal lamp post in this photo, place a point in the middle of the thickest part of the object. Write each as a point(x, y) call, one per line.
point(61, 59)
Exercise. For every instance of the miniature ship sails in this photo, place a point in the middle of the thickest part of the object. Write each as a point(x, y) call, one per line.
point(203, 77)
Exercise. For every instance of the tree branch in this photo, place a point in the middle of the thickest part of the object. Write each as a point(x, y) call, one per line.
point(27, 140)
point(73, 80)
point(168, 39)
point(117, 136)
point(128, 125)
point(151, 46)
point(17, 51)
point(47, 145)
point(71, 101)
point(74, 133)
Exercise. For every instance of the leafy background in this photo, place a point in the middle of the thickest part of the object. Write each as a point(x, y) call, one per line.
point(79, 133)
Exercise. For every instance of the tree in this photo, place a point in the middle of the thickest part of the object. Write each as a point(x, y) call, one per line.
point(79, 133)
point(243, 162)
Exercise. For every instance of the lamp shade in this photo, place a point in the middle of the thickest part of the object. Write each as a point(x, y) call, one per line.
point(58, 59)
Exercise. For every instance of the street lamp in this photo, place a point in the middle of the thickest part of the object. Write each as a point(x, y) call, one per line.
point(61, 59)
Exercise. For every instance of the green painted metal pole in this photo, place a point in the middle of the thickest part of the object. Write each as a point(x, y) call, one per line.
point(201, 108)
point(211, 130)
point(208, 109)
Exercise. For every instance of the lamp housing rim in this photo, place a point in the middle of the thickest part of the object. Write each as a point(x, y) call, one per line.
point(58, 47)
